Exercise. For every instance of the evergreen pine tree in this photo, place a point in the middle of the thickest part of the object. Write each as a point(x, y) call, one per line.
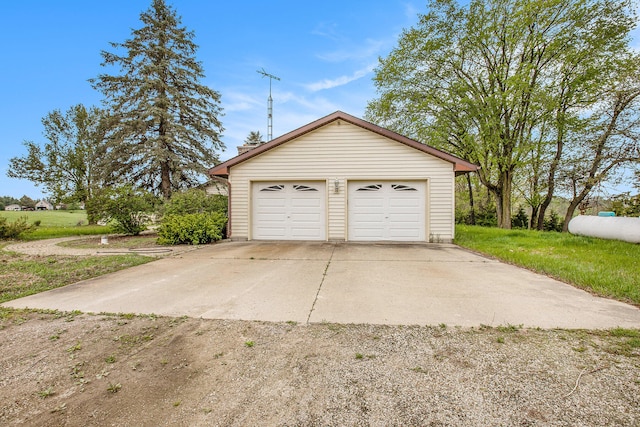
point(164, 126)
point(254, 138)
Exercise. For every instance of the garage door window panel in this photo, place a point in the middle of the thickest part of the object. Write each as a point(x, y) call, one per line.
point(373, 187)
point(401, 187)
point(304, 188)
point(273, 188)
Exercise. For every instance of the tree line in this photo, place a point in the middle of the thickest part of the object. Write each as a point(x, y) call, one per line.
point(542, 94)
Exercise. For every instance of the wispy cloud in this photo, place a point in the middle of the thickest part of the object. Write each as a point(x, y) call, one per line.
point(370, 48)
point(339, 81)
point(328, 30)
point(238, 101)
point(313, 105)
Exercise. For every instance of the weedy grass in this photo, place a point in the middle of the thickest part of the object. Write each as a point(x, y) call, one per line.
point(608, 268)
point(23, 275)
point(114, 388)
point(41, 233)
point(621, 341)
point(47, 392)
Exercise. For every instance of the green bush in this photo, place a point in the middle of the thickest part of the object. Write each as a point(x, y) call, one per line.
point(486, 218)
point(192, 228)
point(626, 205)
point(195, 201)
point(520, 220)
point(11, 230)
point(553, 222)
point(125, 208)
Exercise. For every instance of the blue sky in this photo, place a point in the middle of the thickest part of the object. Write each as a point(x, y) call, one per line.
point(324, 55)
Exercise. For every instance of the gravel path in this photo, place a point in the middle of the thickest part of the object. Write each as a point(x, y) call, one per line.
point(52, 247)
point(101, 370)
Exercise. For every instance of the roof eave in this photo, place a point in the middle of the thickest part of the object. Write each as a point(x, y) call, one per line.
point(460, 166)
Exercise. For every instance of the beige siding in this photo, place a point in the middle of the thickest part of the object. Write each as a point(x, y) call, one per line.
point(342, 151)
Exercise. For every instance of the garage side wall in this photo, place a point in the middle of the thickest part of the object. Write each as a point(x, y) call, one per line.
point(344, 152)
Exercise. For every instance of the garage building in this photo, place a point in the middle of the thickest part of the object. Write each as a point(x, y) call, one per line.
point(341, 178)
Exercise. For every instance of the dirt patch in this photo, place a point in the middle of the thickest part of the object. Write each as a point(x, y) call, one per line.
point(148, 240)
point(93, 370)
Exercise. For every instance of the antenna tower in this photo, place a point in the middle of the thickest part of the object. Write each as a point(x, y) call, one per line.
point(269, 104)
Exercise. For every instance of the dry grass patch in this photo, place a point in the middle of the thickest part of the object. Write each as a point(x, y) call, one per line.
point(22, 275)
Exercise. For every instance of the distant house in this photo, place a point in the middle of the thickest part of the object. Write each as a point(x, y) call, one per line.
point(248, 147)
point(12, 208)
point(217, 186)
point(44, 205)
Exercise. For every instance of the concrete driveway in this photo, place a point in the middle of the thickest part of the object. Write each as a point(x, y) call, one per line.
point(344, 283)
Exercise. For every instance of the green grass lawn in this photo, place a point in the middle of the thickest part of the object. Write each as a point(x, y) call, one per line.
point(609, 268)
point(53, 232)
point(56, 224)
point(50, 218)
point(22, 275)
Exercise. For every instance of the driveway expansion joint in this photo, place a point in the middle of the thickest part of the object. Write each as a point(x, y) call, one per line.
point(324, 275)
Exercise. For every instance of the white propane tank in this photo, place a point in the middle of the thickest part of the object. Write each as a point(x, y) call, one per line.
point(618, 228)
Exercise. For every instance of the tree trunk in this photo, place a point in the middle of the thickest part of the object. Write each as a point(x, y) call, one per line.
point(570, 211)
point(472, 215)
point(165, 167)
point(553, 168)
point(551, 185)
point(502, 193)
point(165, 184)
point(543, 209)
point(534, 217)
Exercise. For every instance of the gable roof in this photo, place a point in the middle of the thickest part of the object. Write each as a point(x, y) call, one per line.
point(460, 166)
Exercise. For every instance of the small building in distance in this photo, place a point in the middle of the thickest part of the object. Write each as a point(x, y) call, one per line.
point(44, 205)
point(13, 207)
point(217, 186)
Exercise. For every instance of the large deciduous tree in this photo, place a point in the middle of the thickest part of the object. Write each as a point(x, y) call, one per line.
point(67, 165)
point(609, 140)
point(164, 126)
point(485, 81)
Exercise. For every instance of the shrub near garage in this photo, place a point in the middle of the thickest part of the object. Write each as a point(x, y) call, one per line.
point(126, 208)
point(193, 217)
point(195, 201)
point(194, 229)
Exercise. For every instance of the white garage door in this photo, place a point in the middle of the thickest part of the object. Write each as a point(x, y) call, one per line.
point(289, 211)
point(387, 211)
